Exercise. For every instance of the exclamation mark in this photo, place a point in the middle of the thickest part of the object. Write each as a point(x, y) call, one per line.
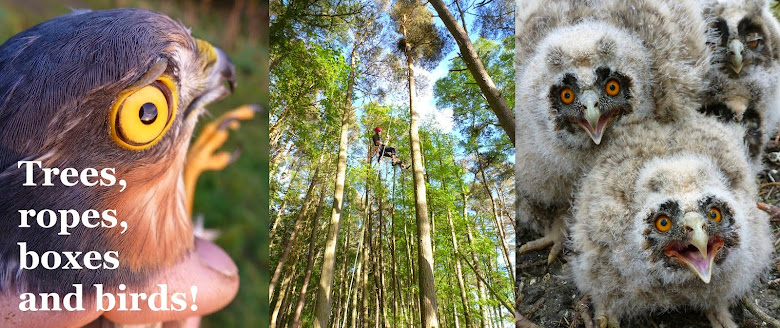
point(194, 290)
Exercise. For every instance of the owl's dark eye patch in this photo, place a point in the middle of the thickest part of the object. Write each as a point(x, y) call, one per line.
point(569, 80)
point(723, 30)
point(709, 202)
point(747, 26)
point(605, 75)
point(669, 209)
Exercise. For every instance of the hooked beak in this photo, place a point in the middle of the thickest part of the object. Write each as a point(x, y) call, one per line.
point(592, 122)
point(699, 252)
point(736, 48)
point(221, 80)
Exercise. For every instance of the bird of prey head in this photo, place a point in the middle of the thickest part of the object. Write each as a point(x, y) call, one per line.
point(749, 36)
point(584, 79)
point(691, 217)
point(117, 89)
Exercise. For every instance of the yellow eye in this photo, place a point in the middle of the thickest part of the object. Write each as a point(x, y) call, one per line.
point(612, 88)
point(753, 44)
point(714, 214)
point(567, 96)
point(663, 223)
point(140, 117)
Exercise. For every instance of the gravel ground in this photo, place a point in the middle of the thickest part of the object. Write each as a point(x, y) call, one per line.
point(549, 298)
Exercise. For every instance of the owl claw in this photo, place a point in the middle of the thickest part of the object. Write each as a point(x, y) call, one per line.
point(554, 238)
point(203, 155)
point(602, 321)
point(772, 210)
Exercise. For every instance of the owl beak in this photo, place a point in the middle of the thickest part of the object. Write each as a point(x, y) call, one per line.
point(699, 253)
point(736, 48)
point(592, 123)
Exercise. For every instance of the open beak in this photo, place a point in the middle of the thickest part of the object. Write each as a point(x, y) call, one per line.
point(221, 76)
point(594, 123)
point(699, 252)
point(736, 48)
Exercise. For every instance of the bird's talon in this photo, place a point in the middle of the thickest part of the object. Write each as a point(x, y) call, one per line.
point(228, 123)
point(234, 156)
point(203, 155)
point(602, 321)
point(256, 108)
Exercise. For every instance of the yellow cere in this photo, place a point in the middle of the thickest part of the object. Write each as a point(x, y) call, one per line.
point(663, 223)
point(207, 50)
point(140, 117)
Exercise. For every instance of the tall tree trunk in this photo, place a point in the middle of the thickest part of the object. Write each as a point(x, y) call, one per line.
point(496, 295)
point(357, 273)
point(322, 307)
point(459, 271)
point(381, 259)
point(455, 315)
point(428, 302)
point(497, 220)
point(367, 246)
point(482, 293)
point(285, 287)
point(296, 321)
point(294, 234)
point(281, 208)
point(494, 98)
point(340, 301)
point(366, 267)
point(396, 286)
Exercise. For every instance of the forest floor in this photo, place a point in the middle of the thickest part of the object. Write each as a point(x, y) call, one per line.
point(549, 298)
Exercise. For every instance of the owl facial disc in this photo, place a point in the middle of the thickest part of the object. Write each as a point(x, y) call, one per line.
point(698, 253)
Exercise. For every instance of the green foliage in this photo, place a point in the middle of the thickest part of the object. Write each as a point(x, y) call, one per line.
point(424, 42)
point(308, 83)
point(471, 112)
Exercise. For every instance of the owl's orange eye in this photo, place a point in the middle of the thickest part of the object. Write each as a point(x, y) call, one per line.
point(714, 214)
point(612, 88)
point(567, 96)
point(753, 44)
point(663, 223)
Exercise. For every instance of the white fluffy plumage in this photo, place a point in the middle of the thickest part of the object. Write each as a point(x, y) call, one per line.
point(568, 54)
point(742, 84)
point(679, 172)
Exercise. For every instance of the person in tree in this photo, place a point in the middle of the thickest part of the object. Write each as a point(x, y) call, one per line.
point(385, 150)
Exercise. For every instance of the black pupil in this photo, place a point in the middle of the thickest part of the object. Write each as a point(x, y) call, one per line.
point(663, 222)
point(713, 214)
point(612, 87)
point(148, 113)
point(567, 95)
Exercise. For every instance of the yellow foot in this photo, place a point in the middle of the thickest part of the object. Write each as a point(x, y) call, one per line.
point(553, 238)
point(603, 322)
point(203, 155)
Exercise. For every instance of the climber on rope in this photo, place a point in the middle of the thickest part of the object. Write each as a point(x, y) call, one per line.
point(384, 150)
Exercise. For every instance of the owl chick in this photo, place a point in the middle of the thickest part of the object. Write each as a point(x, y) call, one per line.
point(667, 219)
point(584, 67)
point(743, 78)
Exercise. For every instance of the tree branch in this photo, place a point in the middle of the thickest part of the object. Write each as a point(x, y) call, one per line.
point(474, 64)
